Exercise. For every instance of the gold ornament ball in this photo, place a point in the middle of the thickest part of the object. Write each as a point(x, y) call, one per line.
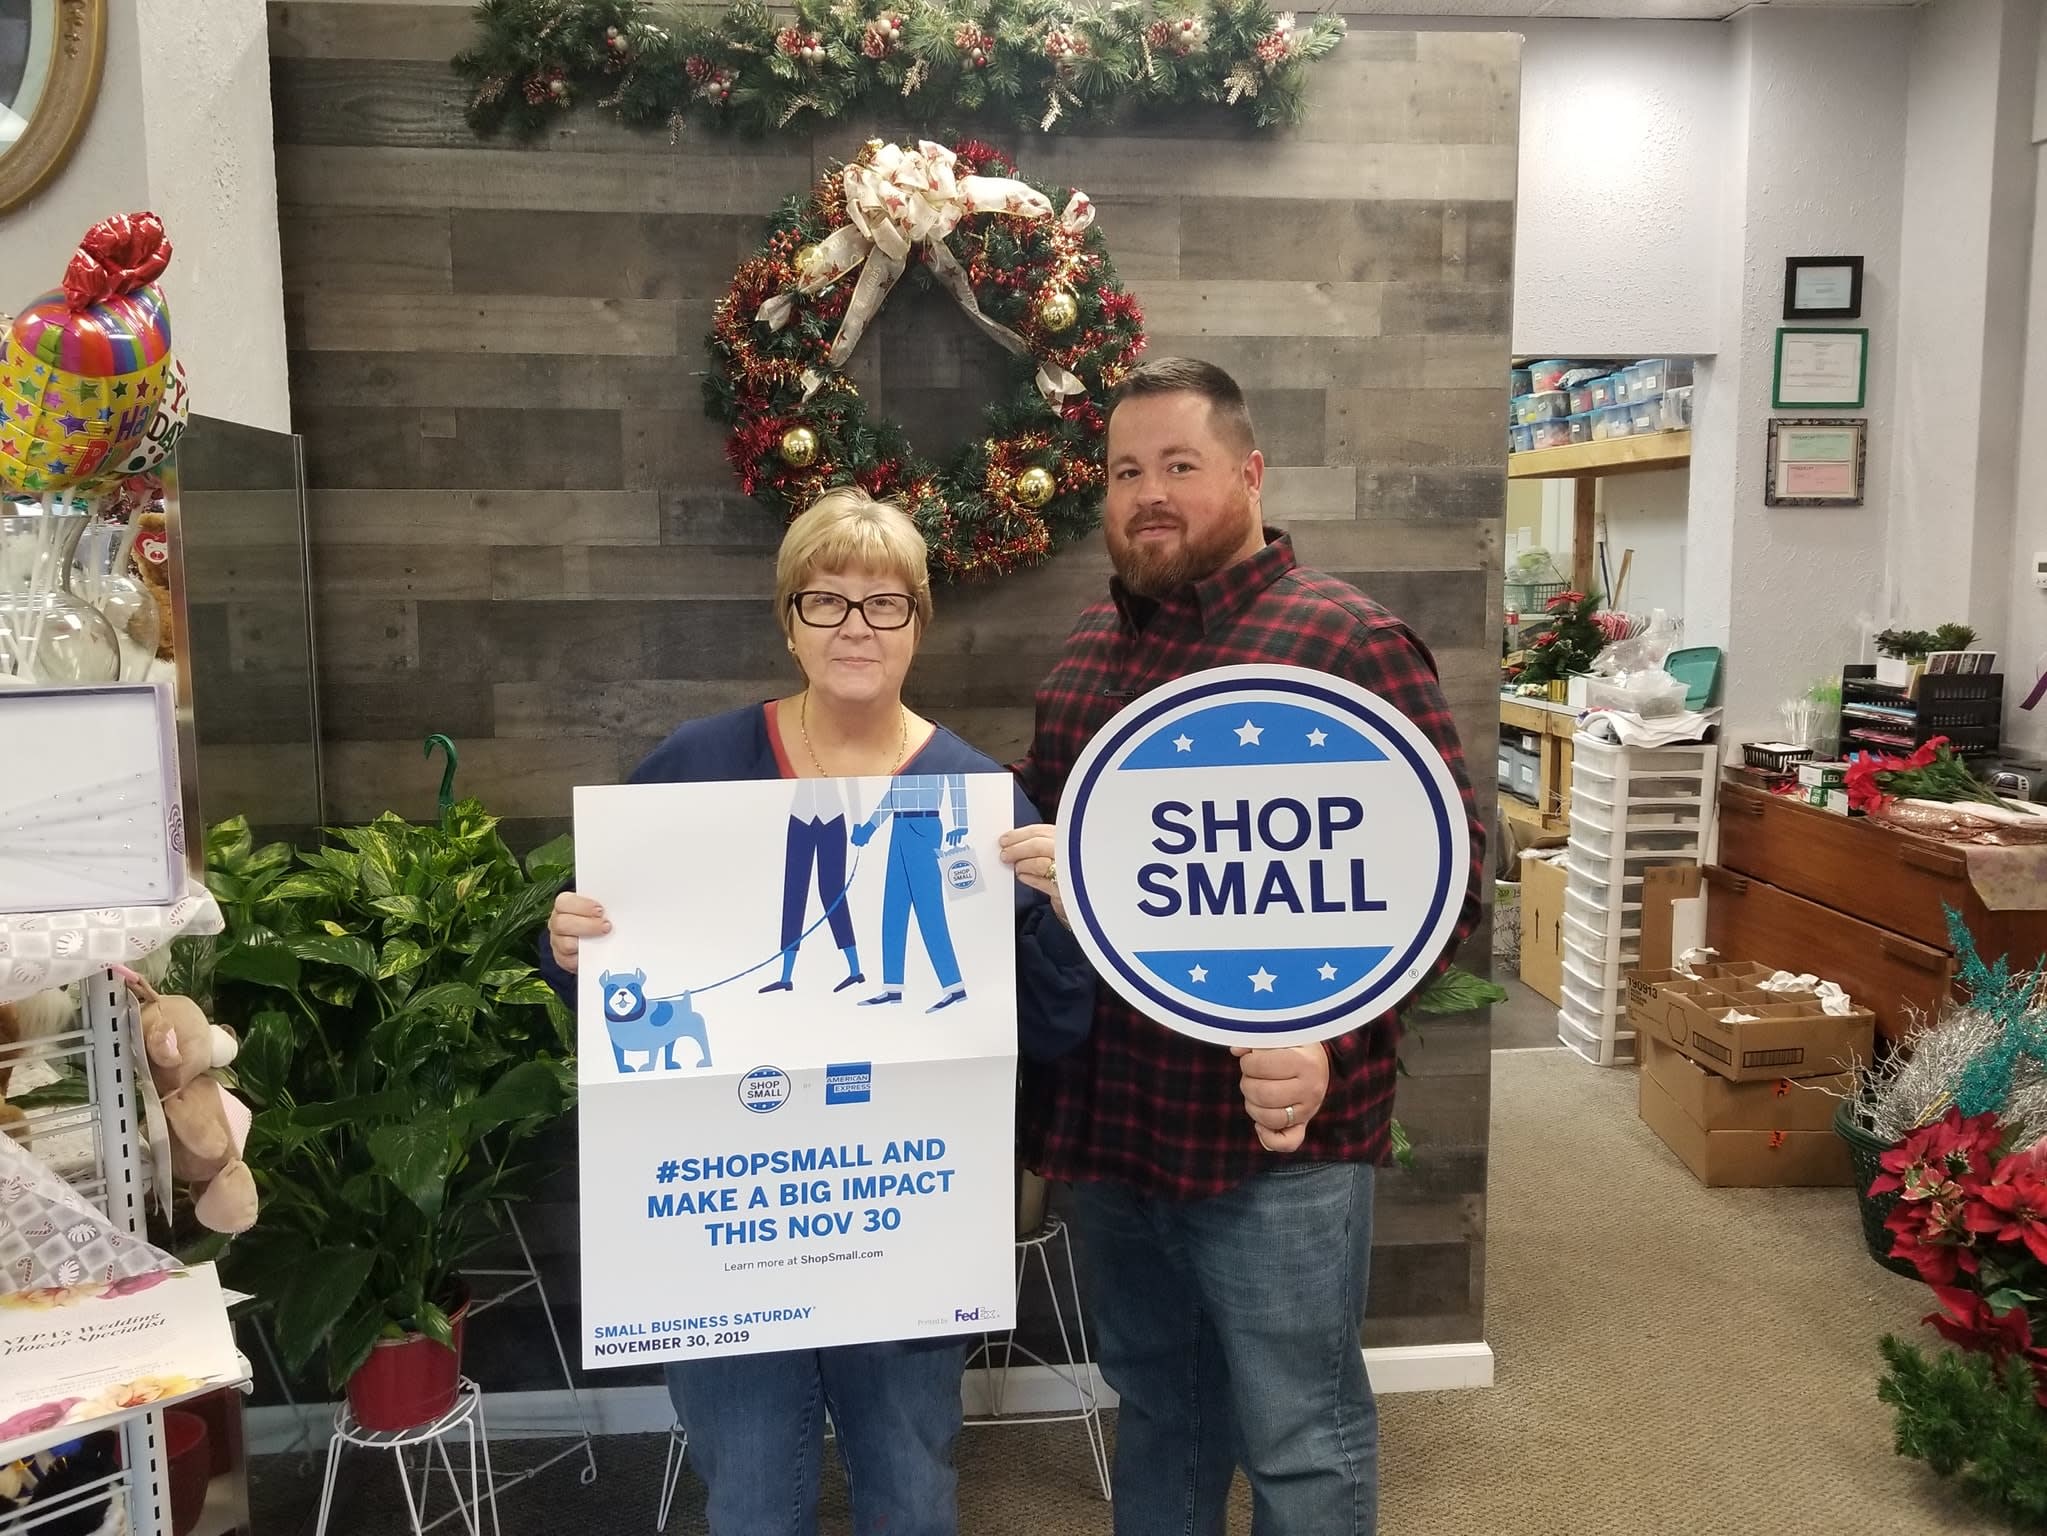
point(1034, 487)
point(799, 447)
point(1059, 310)
point(806, 259)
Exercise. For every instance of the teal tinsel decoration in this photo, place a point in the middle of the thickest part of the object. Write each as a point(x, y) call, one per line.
point(1984, 1085)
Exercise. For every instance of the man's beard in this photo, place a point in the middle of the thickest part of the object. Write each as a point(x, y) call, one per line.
point(1154, 570)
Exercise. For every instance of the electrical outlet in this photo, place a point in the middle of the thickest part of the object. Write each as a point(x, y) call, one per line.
point(2040, 570)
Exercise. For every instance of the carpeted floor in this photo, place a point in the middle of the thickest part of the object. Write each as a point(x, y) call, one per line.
point(1671, 1359)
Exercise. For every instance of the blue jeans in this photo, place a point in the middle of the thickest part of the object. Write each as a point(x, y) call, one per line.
point(756, 1435)
point(1229, 1327)
point(914, 842)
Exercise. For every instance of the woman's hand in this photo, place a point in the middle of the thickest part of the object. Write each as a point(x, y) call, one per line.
point(574, 919)
point(1033, 853)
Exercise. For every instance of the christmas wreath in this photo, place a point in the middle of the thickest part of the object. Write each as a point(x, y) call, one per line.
point(1032, 274)
point(1042, 63)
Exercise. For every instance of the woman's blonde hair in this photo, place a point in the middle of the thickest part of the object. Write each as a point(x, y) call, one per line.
point(847, 529)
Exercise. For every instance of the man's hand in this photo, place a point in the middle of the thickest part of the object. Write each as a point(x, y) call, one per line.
point(1033, 853)
point(862, 834)
point(955, 837)
point(1283, 1088)
point(574, 919)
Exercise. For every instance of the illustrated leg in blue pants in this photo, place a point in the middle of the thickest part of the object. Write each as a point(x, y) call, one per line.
point(823, 844)
point(914, 886)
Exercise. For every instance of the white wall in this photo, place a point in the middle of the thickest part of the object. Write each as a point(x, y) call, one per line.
point(1820, 139)
point(1620, 199)
point(182, 127)
point(213, 178)
point(1646, 513)
point(1961, 284)
point(2025, 643)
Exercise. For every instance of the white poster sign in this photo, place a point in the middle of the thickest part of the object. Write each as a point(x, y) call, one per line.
point(797, 1072)
point(1263, 855)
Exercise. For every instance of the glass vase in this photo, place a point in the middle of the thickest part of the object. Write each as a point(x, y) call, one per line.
point(103, 576)
point(47, 634)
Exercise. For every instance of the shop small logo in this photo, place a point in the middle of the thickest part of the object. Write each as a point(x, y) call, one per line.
point(764, 1090)
point(849, 1082)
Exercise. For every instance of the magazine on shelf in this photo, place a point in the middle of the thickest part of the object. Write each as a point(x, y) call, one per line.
point(79, 1358)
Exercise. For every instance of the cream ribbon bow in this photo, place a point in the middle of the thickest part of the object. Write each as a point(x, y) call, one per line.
point(898, 199)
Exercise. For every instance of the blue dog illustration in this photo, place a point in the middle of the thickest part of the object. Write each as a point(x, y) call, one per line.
point(634, 1025)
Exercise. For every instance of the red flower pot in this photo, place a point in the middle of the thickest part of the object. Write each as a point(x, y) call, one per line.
point(222, 1411)
point(410, 1381)
point(190, 1465)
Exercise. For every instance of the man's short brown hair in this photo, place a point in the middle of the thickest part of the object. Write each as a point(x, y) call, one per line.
point(1192, 376)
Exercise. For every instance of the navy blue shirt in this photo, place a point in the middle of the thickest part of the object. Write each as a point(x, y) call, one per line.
point(1055, 985)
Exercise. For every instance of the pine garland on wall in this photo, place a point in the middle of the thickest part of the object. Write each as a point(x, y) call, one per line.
point(1045, 64)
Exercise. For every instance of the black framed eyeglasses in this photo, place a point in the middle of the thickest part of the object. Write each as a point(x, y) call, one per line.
point(828, 610)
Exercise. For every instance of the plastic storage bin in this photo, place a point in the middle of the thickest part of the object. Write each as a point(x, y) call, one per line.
point(1600, 391)
point(1645, 414)
point(1518, 382)
point(1547, 405)
point(1545, 376)
point(1677, 408)
point(1622, 387)
point(1581, 428)
point(1520, 439)
point(1553, 434)
point(1656, 375)
point(1612, 421)
point(1581, 399)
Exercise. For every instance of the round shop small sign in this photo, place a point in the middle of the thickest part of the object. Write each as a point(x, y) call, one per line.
point(764, 1090)
point(1263, 855)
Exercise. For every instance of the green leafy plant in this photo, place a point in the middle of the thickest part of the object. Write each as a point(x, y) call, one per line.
point(1459, 991)
point(1563, 643)
point(1952, 637)
point(398, 1045)
point(1455, 991)
point(1969, 1417)
point(1904, 644)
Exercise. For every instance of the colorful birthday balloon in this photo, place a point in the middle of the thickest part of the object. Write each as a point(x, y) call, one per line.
point(83, 368)
point(166, 425)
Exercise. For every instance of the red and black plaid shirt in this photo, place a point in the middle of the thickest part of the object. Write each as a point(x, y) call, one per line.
point(1139, 1103)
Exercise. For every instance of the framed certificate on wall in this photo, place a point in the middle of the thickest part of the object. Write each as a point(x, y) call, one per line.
point(1821, 369)
point(1823, 288)
point(1816, 461)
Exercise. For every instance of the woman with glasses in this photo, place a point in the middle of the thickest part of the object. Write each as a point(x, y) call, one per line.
point(854, 598)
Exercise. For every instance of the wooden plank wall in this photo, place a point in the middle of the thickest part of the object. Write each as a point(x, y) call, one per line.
point(525, 535)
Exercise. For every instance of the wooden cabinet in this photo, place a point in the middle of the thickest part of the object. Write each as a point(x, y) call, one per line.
point(1849, 901)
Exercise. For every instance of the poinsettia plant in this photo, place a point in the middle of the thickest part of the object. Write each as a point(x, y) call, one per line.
point(1971, 1219)
point(1933, 772)
point(1563, 642)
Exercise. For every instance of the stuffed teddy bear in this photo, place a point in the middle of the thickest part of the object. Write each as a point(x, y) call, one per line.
point(152, 567)
point(207, 1126)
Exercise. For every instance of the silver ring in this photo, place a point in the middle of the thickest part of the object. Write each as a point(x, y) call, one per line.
point(1289, 1117)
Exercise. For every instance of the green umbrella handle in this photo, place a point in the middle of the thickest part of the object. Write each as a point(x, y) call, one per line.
point(448, 776)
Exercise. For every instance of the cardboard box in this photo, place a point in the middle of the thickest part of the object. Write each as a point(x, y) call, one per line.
point(1663, 885)
point(1716, 1104)
point(1743, 1159)
point(1781, 1040)
point(1542, 927)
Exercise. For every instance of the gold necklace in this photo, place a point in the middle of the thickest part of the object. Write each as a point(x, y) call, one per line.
point(803, 725)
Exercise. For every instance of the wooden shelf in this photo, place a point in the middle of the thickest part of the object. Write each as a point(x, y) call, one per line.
point(1615, 456)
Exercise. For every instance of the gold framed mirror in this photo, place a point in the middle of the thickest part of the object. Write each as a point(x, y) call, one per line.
point(51, 52)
